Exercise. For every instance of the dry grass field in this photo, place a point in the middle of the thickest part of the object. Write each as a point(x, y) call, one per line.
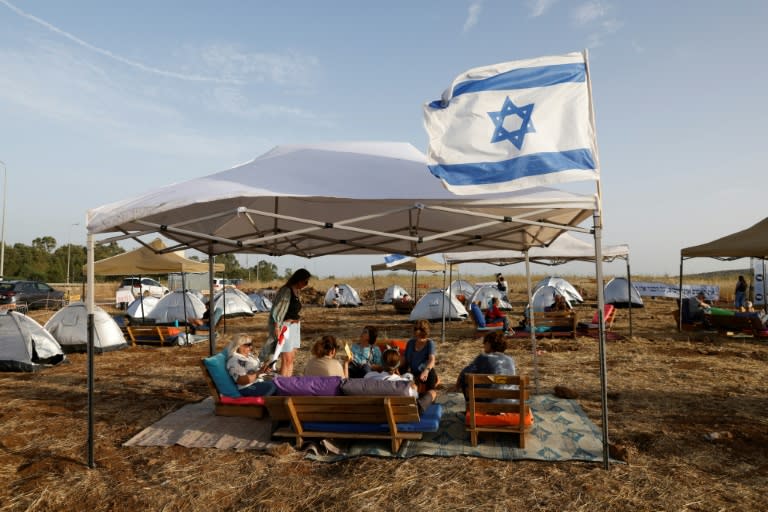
point(668, 392)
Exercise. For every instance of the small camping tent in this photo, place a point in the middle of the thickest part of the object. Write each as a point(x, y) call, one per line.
point(261, 302)
point(233, 302)
point(177, 307)
point(69, 326)
point(460, 288)
point(347, 296)
point(563, 287)
point(432, 305)
point(141, 307)
point(484, 294)
point(25, 346)
point(617, 292)
point(544, 297)
point(409, 264)
point(394, 292)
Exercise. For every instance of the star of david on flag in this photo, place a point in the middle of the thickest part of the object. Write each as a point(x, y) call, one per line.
point(514, 125)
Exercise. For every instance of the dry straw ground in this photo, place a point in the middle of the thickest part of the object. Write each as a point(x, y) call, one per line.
point(668, 391)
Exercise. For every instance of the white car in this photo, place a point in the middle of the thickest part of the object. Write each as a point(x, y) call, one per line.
point(143, 286)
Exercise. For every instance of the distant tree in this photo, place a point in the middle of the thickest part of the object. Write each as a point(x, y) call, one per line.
point(44, 243)
point(265, 271)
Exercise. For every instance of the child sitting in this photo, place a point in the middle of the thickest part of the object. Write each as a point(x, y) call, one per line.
point(391, 372)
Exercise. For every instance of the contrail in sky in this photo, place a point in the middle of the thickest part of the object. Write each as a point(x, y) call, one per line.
point(107, 53)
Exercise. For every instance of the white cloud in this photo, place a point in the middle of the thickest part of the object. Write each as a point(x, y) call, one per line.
point(287, 68)
point(589, 12)
point(473, 15)
point(537, 8)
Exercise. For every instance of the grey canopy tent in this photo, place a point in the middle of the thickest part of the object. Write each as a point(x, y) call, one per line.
point(747, 243)
point(344, 198)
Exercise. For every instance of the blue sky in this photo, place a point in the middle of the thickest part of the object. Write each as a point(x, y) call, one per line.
point(101, 101)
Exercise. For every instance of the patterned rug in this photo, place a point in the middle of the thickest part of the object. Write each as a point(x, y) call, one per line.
point(561, 431)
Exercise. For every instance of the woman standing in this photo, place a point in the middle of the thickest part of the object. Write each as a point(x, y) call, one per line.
point(740, 295)
point(285, 313)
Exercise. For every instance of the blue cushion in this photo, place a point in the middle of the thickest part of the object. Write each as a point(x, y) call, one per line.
point(477, 315)
point(429, 422)
point(217, 369)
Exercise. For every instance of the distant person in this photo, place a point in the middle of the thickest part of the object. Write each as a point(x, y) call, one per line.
point(501, 285)
point(336, 301)
point(324, 362)
point(495, 315)
point(740, 293)
point(560, 304)
point(285, 312)
point(697, 307)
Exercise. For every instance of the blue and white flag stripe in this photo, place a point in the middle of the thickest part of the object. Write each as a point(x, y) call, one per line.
point(395, 259)
point(513, 125)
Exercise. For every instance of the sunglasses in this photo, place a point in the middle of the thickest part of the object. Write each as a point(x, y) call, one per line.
point(249, 345)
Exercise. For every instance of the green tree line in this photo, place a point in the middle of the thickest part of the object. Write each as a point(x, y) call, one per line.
point(45, 261)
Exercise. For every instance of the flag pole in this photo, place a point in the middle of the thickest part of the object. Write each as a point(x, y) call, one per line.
point(598, 228)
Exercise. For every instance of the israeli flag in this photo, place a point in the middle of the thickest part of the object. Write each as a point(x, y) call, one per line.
point(395, 259)
point(514, 125)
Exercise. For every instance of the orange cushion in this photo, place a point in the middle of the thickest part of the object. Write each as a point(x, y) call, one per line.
point(500, 420)
point(398, 344)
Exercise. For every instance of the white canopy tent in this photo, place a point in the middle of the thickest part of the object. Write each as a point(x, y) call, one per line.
point(564, 249)
point(412, 265)
point(344, 198)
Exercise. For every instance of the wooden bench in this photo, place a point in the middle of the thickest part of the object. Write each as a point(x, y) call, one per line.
point(558, 324)
point(151, 333)
point(347, 410)
point(485, 415)
point(224, 406)
point(734, 323)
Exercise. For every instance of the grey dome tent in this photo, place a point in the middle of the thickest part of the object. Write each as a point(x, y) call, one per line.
point(461, 287)
point(177, 306)
point(433, 303)
point(141, 307)
point(25, 346)
point(261, 302)
point(563, 287)
point(544, 297)
point(484, 294)
point(69, 326)
point(619, 293)
point(393, 293)
point(348, 296)
point(233, 302)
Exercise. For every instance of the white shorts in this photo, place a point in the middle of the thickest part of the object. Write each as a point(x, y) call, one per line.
point(292, 337)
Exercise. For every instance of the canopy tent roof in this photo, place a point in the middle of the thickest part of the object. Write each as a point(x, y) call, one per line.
point(565, 248)
point(150, 260)
point(750, 242)
point(421, 264)
point(342, 198)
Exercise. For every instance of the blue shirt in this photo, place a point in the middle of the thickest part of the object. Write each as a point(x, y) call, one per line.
point(416, 360)
point(370, 355)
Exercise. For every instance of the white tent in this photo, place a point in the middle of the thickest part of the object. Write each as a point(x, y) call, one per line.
point(461, 287)
point(25, 346)
point(622, 294)
point(393, 293)
point(177, 307)
point(544, 297)
point(434, 303)
point(485, 293)
point(141, 307)
point(562, 286)
point(69, 326)
point(348, 297)
point(340, 198)
point(412, 265)
point(233, 302)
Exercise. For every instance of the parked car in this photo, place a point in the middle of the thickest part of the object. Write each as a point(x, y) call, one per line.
point(143, 286)
point(33, 294)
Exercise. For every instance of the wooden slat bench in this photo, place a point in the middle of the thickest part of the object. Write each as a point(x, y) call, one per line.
point(485, 413)
point(345, 417)
point(251, 407)
point(151, 333)
point(559, 324)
